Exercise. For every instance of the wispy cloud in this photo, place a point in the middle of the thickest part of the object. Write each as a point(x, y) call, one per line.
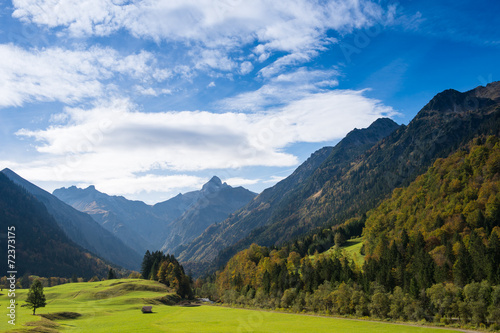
point(282, 89)
point(217, 27)
point(69, 76)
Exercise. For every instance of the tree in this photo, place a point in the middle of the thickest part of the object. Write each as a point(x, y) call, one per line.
point(462, 271)
point(111, 274)
point(36, 298)
point(380, 305)
point(25, 281)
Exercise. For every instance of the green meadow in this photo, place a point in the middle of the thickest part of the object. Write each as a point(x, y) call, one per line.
point(351, 249)
point(115, 306)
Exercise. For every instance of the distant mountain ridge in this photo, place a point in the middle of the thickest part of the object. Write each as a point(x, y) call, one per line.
point(164, 225)
point(217, 200)
point(80, 227)
point(131, 221)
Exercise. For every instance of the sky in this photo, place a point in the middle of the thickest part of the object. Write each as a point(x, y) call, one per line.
point(148, 99)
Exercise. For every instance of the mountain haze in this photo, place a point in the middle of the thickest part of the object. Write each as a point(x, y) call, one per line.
point(216, 201)
point(164, 225)
point(131, 221)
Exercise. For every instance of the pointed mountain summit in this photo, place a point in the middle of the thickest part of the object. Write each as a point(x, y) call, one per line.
point(215, 181)
point(213, 185)
point(262, 210)
point(165, 225)
point(216, 201)
point(80, 227)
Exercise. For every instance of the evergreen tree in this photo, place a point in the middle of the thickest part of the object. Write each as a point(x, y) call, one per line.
point(111, 274)
point(493, 269)
point(477, 252)
point(146, 265)
point(461, 269)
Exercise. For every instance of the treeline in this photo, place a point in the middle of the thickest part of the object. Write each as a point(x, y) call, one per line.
point(165, 269)
point(25, 281)
point(432, 253)
point(334, 284)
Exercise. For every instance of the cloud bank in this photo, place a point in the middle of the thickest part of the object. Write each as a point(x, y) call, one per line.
point(116, 141)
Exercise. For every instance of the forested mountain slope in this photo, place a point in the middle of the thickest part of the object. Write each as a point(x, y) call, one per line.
point(336, 192)
point(41, 247)
point(455, 208)
point(81, 228)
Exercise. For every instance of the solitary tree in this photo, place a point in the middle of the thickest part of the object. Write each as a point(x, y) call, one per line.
point(36, 298)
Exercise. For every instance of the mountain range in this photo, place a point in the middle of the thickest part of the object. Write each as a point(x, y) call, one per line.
point(205, 228)
point(262, 210)
point(354, 177)
point(164, 225)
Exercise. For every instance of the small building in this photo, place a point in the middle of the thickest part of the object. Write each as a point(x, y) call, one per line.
point(147, 309)
point(205, 300)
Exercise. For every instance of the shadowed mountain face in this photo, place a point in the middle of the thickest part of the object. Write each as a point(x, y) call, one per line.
point(42, 247)
point(262, 210)
point(164, 225)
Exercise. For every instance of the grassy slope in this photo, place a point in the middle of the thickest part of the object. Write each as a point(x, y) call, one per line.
point(111, 307)
point(351, 248)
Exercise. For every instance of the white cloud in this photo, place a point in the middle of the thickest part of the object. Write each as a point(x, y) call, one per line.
point(214, 59)
point(112, 143)
point(56, 74)
point(246, 67)
point(238, 181)
point(217, 27)
point(147, 183)
point(211, 84)
point(282, 90)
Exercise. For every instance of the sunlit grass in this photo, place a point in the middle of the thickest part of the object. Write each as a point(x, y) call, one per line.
point(115, 306)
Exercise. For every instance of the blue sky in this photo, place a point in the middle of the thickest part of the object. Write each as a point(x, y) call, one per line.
point(147, 99)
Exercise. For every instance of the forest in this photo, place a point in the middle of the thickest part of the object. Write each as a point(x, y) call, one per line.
point(432, 253)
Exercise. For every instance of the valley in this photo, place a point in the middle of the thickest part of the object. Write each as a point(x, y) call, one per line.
point(385, 225)
point(115, 306)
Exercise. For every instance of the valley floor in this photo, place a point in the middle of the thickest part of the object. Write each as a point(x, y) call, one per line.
point(115, 306)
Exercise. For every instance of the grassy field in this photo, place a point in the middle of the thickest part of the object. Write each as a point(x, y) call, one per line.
point(114, 306)
point(351, 248)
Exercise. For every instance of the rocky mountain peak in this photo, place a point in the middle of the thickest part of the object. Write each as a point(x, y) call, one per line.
point(214, 184)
